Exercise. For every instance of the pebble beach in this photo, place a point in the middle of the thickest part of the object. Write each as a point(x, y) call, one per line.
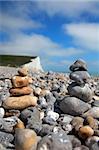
point(49, 110)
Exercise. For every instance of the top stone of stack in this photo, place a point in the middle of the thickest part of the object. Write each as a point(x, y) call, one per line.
point(23, 72)
point(78, 65)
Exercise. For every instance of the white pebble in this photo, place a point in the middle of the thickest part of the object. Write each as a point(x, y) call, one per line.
point(2, 112)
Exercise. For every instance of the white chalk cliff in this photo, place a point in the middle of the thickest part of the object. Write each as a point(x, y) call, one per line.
point(34, 65)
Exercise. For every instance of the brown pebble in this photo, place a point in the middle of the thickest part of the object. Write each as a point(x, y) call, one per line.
point(23, 72)
point(25, 139)
point(21, 91)
point(92, 122)
point(20, 125)
point(77, 122)
point(85, 132)
point(18, 81)
point(20, 102)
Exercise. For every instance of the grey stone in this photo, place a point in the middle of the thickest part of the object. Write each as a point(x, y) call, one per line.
point(2, 147)
point(42, 102)
point(75, 141)
point(94, 146)
point(82, 147)
point(6, 139)
point(94, 112)
point(95, 103)
point(46, 129)
point(82, 92)
point(78, 65)
point(80, 77)
point(34, 122)
point(91, 140)
point(28, 112)
point(66, 119)
point(55, 142)
point(7, 124)
point(73, 106)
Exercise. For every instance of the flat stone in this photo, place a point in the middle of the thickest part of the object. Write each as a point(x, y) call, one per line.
point(18, 81)
point(78, 65)
point(80, 77)
point(20, 102)
point(25, 139)
point(21, 91)
point(82, 92)
point(73, 106)
point(94, 112)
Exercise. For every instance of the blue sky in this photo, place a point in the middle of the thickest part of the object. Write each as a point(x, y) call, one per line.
point(59, 31)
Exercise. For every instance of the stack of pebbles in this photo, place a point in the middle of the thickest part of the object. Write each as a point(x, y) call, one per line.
point(20, 98)
point(79, 104)
point(20, 92)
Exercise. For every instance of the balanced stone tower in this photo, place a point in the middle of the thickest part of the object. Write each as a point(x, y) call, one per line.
point(78, 103)
point(20, 92)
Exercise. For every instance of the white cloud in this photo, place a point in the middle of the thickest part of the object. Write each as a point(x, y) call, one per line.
point(84, 34)
point(36, 44)
point(68, 8)
point(13, 23)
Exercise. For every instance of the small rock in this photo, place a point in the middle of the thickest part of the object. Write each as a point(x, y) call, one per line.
point(78, 65)
point(73, 106)
point(25, 139)
point(7, 124)
point(2, 147)
point(95, 103)
point(80, 77)
point(20, 102)
point(21, 91)
point(67, 128)
point(94, 112)
point(94, 146)
point(66, 119)
point(23, 72)
point(85, 132)
point(96, 97)
point(46, 130)
point(91, 140)
point(42, 102)
point(12, 112)
point(6, 138)
point(93, 123)
point(37, 91)
point(52, 115)
point(18, 81)
point(82, 92)
point(82, 147)
point(77, 123)
point(33, 121)
point(20, 124)
point(2, 112)
point(75, 141)
point(55, 142)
